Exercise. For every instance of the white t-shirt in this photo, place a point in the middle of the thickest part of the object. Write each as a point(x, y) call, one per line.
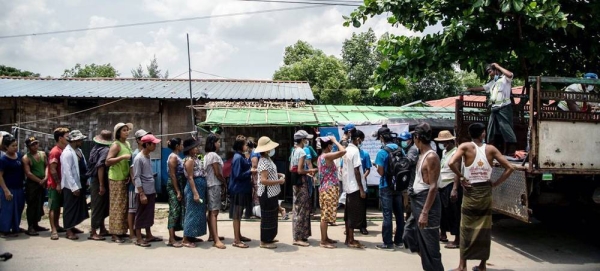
point(351, 161)
point(500, 91)
point(209, 160)
point(574, 88)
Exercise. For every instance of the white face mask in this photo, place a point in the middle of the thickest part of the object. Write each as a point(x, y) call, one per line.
point(441, 146)
point(272, 153)
point(590, 88)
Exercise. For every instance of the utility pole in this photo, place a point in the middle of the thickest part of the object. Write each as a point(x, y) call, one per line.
point(190, 81)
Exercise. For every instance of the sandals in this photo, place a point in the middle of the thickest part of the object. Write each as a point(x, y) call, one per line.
point(142, 244)
point(175, 245)
point(354, 244)
point(154, 239)
point(32, 232)
point(331, 241)
point(327, 245)
point(240, 245)
point(301, 244)
point(118, 240)
point(189, 245)
point(96, 238)
point(39, 228)
point(54, 236)
point(268, 246)
point(245, 239)
point(220, 246)
point(73, 237)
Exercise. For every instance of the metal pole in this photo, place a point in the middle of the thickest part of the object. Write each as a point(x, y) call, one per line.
point(190, 81)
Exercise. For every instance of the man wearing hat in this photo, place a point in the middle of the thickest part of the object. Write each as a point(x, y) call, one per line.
point(73, 180)
point(579, 88)
point(450, 190)
point(98, 172)
point(34, 163)
point(501, 117)
point(132, 203)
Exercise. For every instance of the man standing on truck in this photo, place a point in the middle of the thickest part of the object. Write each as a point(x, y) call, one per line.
point(578, 88)
point(501, 117)
point(476, 220)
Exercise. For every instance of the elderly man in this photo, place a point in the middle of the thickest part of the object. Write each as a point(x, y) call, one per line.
point(73, 179)
point(501, 118)
point(450, 190)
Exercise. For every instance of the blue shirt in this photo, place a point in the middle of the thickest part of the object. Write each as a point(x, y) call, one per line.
point(382, 161)
point(13, 172)
point(365, 159)
point(240, 178)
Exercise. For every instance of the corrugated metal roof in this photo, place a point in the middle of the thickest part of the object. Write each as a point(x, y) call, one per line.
point(170, 89)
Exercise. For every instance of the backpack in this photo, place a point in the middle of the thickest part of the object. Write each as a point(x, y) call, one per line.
point(397, 174)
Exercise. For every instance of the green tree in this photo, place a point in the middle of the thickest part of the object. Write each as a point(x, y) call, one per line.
point(361, 58)
point(548, 37)
point(152, 69)
point(300, 51)
point(10, 71)
point(92, 70)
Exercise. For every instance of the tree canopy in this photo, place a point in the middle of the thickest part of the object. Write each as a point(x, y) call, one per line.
point(528, 37)
point(91, 70)
point(152, 71)
point(10, 71)
point(361, 58)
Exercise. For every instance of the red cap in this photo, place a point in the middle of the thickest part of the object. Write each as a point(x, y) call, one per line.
point(149, 138)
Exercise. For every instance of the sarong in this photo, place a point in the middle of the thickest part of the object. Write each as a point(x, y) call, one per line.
point(269, 211)
point(425, 241)
point(450, 211)
point(176, 209)
point(118, 207)
point(301, 209)
point(476, 222)
point(100, 204)
point(11, 211)
point(144, 215)
point(194, 224)
point(35, 202)
point(501, 123)
point(354, 213)
point(328, 200)
point(132, 203)
point(213, 196)
point(75, 208)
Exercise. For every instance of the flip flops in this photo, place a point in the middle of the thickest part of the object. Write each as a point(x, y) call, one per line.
point(212, 240)
point(118, 241)
point(329, 246)
point(154, 239)
point(175, 245)
point(301, 244)
point(245, 239)
point(451, 246)
point(73, 237)
point(96, 238)
point(189, 245)
point(240, 245)
point(32, 232)
point(220, 246)
point(140, 244)
point(54, 236)
point(268, 246)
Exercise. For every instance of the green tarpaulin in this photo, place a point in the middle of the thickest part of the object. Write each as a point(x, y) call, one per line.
point(327, 115)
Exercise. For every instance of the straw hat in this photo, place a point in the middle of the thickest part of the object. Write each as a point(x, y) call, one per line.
point(265, 144)
point(104, 138)
point(118, 126)
point(445, 136)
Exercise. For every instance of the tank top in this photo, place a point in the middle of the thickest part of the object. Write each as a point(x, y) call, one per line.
point(198, 168)
point(446, 174)
point(481, 170)
point(419, 185)
point(120, 170)
point(38, 167)
point(179, 168)
point(328, 174)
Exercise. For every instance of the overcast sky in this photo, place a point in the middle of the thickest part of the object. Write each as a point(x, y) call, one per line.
point(244, 47)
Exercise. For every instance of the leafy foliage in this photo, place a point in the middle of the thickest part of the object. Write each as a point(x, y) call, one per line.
point(361, 58)
point(299, 51)
point(529, 37)
point(153, 71)
point(92, 70)
point(10, 71)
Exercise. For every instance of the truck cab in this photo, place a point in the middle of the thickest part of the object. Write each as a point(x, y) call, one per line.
point(561, 168)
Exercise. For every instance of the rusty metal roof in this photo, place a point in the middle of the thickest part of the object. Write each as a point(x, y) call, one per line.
point(168, 89)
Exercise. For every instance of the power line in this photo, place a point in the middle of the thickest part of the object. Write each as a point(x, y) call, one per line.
point(164, 21)
point(311, 2)
point(212, 74)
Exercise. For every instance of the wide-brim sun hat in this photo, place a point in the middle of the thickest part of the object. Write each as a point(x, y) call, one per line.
point(265, 144)
point(104, 138)
point(75, 135)
point(444, 136)
point(119, 126)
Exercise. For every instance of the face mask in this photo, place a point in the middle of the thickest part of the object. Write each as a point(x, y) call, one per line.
point(360, 145)
point(272, 153)
point(590, 88)
point(306, 143)
point(404, 144)
point(441, 146)
point(496, 77)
